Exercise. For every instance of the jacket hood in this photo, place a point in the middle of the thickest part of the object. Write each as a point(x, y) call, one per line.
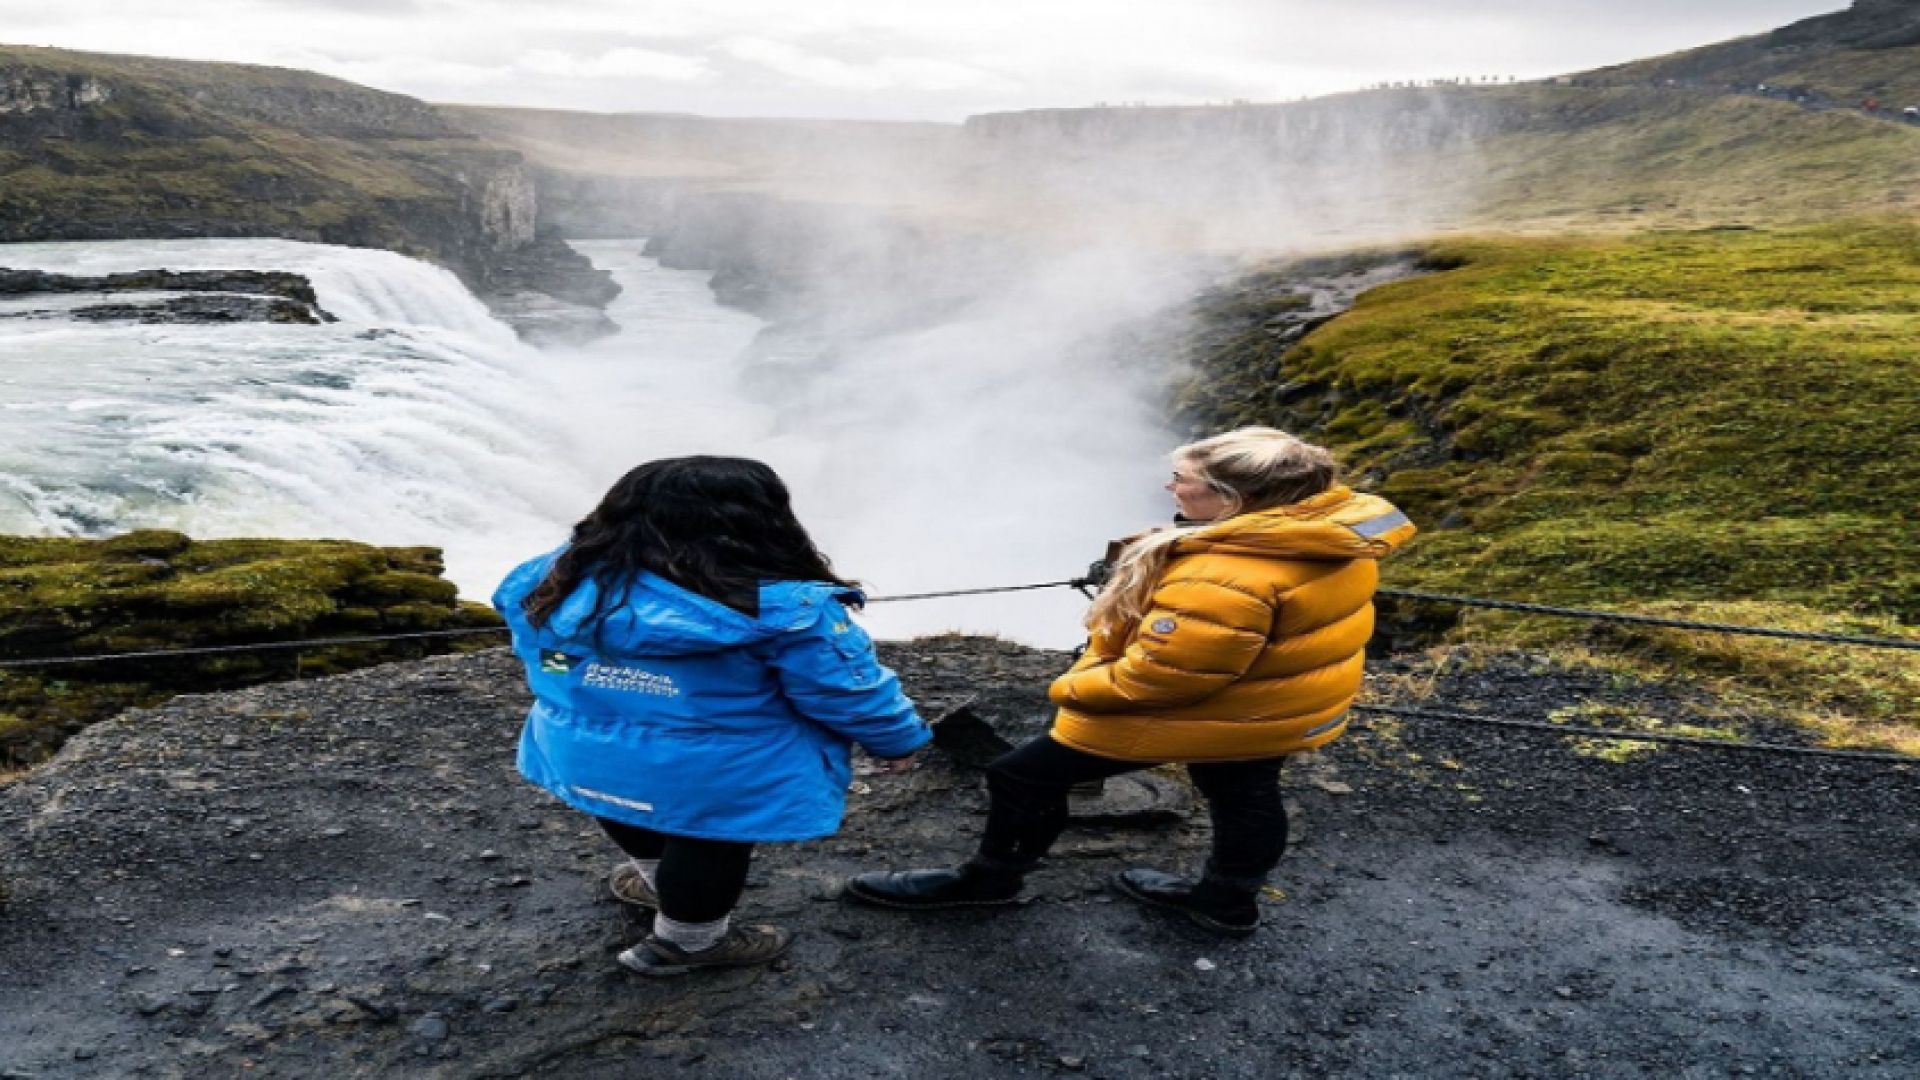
point(1338, 523)
point(654, 616)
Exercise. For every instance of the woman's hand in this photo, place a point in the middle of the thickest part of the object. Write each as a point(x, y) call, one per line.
point(899, 764)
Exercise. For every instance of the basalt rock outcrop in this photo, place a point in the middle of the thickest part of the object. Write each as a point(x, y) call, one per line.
point(1849, 58)
point(1868, 24)
point(1243, 328)
point(204, 296)
point(550, 293)
point(200, 309)
point(293, 287)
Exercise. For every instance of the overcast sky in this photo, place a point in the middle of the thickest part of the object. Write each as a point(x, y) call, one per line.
point(892, 59)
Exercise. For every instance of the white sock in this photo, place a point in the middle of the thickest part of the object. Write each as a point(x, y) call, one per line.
point(690, 936)
point(647, 868)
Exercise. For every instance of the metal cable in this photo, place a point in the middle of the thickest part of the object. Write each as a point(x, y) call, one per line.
point(1072, 583)
point(314, 643)
point(1650, 620)
point(1631, 736)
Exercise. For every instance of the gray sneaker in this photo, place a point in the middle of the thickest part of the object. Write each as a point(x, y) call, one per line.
point(744, 946)
point(629, 887)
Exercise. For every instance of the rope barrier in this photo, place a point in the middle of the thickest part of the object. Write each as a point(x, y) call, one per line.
point(1628, 736)
point(1650, 620)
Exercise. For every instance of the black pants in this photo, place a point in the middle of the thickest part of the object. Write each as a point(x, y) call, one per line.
point(1028, 808)
point(698, 880)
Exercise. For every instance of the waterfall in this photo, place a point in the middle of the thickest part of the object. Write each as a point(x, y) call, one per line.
point(1003, 445)
point(415, 419)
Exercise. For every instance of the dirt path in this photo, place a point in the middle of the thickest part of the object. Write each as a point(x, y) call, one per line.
point(343, 878)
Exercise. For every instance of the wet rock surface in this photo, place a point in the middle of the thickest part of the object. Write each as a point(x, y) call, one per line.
point(205, 309)
point(549, 293)
point(209, 296)
point(254, 282)
point(344, 878)
point(1243, 329)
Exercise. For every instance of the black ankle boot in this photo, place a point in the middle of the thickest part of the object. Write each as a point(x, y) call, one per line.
point(1224, 909)
point(972, 884)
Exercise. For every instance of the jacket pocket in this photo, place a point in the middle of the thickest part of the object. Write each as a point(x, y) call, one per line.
point(849, 640)
point(855, 651)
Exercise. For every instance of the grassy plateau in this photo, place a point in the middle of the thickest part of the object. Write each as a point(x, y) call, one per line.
point(1714, 425)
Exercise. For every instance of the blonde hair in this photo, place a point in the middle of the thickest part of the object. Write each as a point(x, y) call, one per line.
point(1253, 468)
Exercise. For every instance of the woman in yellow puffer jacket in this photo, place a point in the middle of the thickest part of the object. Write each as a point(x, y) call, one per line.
point(1226, 643)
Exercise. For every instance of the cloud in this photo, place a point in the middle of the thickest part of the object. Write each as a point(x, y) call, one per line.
point(621, 63)
point(394, 8)
point(885, 73)
point(797, 63)
point(883, 58)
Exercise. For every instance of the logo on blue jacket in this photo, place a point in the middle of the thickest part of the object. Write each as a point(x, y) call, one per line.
point(555, 662)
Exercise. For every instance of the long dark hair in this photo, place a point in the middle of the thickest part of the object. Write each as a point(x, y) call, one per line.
point(717, 526)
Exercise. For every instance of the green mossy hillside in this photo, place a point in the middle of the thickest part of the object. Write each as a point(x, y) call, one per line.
point(1721, 419)
point(1871, 50)
point(160, 590)
point(166, 148)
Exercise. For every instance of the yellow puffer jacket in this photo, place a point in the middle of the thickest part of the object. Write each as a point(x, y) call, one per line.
point(1253, 644)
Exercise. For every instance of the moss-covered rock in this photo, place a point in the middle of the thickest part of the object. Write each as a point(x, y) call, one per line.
point(155, 589)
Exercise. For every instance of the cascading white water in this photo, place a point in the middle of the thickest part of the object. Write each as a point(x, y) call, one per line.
point(985, 451)
point(412, 420)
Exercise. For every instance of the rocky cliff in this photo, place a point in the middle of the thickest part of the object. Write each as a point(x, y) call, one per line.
point(1868, 24)
point(1400, 121)
point(343, 878)
point(1868, 48)
point(112, 147)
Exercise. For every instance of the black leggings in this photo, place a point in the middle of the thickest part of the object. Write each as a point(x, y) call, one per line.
point(1028, 807)
point(698, 881)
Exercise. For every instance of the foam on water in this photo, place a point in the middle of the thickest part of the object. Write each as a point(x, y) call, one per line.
point(415, 419)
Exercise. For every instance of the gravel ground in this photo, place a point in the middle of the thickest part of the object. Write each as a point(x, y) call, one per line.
point(344, 878)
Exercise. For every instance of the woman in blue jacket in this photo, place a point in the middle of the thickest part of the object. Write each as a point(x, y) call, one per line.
point(698, 684)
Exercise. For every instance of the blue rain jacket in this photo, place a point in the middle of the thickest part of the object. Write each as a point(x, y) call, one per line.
point(679, 714)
